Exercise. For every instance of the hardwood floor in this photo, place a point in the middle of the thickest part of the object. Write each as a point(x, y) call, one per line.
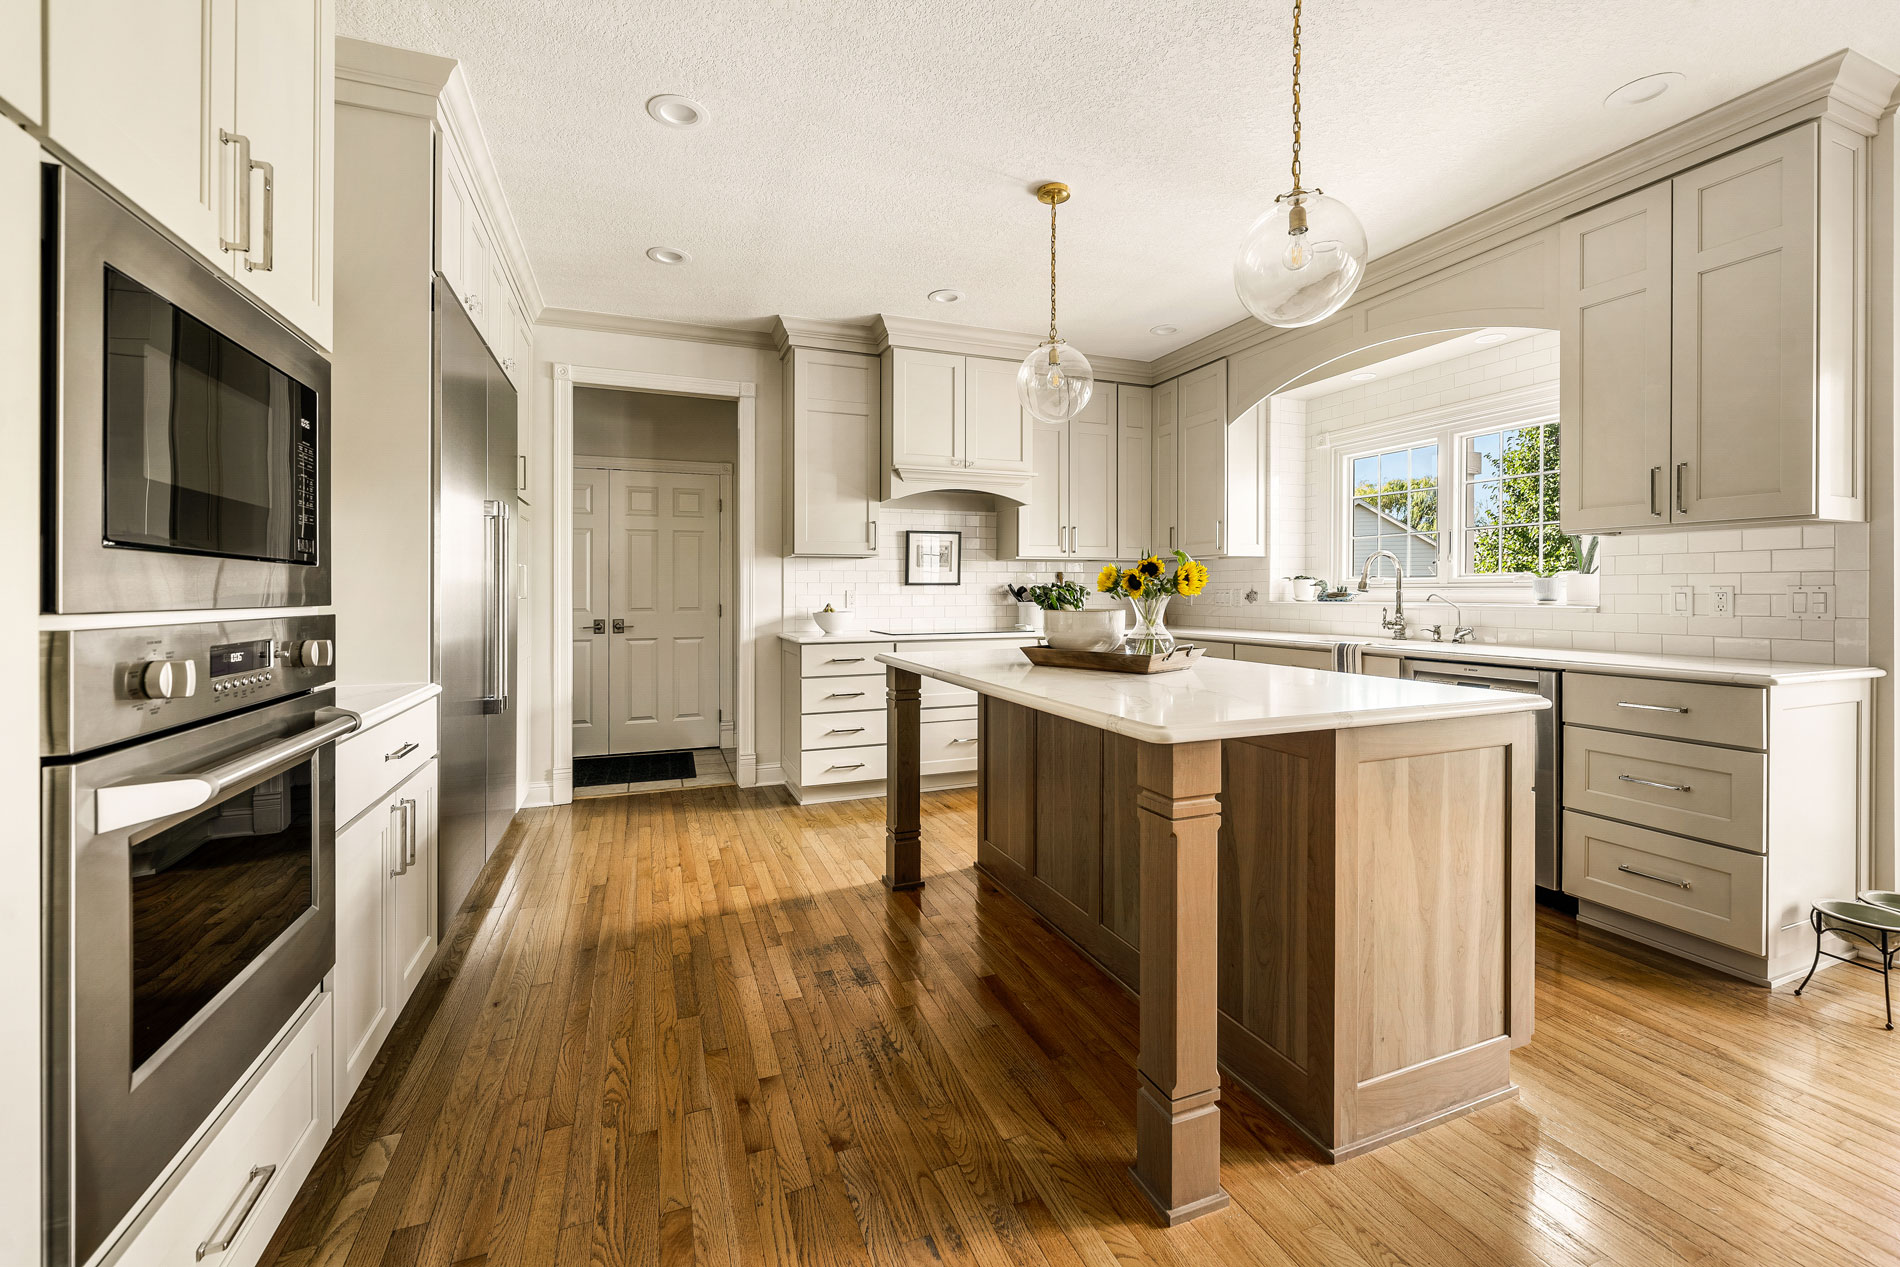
point(693, 1027)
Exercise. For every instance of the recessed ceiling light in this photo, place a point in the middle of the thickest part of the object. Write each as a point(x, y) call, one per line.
point(944, 296)
point(1364, 376)
point(1492, 337)
point(1648, 88)
point(1164, 329)
point(676, 111)
point(667, 255)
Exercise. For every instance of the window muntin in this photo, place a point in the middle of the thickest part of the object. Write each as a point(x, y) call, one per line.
point(1395, 507)
point(1511, 493)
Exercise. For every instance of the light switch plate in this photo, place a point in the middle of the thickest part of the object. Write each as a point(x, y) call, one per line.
point(1721, 600)
point(1682, 600)
point(1811, 602)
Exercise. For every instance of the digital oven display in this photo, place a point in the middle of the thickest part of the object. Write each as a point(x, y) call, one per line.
point(240, 657)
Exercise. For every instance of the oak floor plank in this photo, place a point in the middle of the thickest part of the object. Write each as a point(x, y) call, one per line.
point(692, 1027)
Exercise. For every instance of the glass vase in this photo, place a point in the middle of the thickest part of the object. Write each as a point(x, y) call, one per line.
point(1150, 635)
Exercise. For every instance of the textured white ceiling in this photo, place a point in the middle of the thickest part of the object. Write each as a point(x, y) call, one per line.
point(860, 155)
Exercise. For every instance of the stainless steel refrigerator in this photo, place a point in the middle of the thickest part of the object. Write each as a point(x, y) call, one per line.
point(475, 611)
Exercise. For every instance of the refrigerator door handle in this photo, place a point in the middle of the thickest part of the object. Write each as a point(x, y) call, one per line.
point(495, 690)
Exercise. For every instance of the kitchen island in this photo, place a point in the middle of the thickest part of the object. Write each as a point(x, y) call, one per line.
point(1318, 881)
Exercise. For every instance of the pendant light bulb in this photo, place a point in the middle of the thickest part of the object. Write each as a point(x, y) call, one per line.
point(1055, 381)
point(1301, 261)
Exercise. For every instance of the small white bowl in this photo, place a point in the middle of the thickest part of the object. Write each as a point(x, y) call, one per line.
point(835, 622)
point(1096, 629)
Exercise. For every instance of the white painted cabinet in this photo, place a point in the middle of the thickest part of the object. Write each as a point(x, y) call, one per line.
point(1711, 367)
point(213, 117)
point(386, 923)
point(1221, 486)
point(1167, 465)
point(831, 480)
point(953, 422)
point(1134, 471)
point(20, 51)
point(1069, 511)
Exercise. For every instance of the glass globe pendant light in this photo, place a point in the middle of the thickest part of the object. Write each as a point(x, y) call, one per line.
point(1055, 381)
point(1301, 261)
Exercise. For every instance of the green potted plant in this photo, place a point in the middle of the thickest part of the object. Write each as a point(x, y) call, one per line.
point(1585, 583)
point(1069, 623)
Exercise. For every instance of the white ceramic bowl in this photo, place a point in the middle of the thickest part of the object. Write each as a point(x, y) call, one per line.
point(835, 622)
point(1096, 629)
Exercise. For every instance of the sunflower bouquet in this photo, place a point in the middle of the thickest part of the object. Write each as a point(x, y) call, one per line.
point(1148, 586)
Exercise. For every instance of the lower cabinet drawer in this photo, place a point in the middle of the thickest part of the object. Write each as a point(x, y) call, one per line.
point(840, 694)
point(1216, 650)
point(947, 747)
point(841, 659)
point(841, 730)
point(1687, 788)
point(1704, 890)
point(938, 694)
point(1292, 657)
point(240, 1182)
point(841, 765)
point(372, 761)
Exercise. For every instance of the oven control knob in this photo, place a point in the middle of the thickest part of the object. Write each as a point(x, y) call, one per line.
point(315, 653)
point(169, 679)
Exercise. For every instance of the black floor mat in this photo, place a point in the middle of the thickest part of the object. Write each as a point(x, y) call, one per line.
point(633, 767)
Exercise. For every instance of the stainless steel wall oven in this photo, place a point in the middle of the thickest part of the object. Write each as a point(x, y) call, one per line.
point(189, 819)
point(188, 430)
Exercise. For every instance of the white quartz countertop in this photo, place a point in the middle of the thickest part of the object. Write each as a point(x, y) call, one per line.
point(1680, 668)
point(920, 635)
point(376, 704)
point(1216, 699)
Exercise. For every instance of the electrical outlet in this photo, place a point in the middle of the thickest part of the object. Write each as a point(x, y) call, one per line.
point(1682, 600)
point(1224, 596)
point(1721, 600)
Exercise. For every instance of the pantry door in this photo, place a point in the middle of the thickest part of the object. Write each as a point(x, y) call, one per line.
point(592, 691)
point(664, 596)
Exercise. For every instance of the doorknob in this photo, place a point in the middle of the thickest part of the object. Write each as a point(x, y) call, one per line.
point(600, 626)
point(620, 626)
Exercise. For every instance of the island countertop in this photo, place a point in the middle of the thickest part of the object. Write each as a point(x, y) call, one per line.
point(1216, 699)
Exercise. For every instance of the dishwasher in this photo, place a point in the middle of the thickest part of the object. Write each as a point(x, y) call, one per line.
point(1549, 797)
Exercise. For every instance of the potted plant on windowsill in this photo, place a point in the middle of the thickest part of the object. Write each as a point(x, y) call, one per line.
point(1585, 583)
point(1068, 623)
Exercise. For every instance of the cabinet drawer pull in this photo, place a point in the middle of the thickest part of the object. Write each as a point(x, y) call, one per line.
point(954, 742)
point(1667, 787)
point(401, 752)
point(1660, 879)
point(1651, 708)
point(270, 219)
point(1681, 505)
point(846, 659)
point(855, 765)
point(233, 1221)
point(400, 817)
point(242, 243)
point(846, 730)
point(1654, 509)
point(844, 695)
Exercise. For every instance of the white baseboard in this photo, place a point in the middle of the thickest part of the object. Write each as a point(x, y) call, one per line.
point(769, 775)
point(539, 796)
point(562, 793)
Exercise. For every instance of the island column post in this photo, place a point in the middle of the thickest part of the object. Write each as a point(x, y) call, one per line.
point(903, 782)
point(1177, 1088)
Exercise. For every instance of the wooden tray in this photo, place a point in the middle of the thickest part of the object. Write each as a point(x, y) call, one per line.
point(1183, 656)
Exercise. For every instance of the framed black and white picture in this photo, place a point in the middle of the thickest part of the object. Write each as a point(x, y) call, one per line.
point(933, 558)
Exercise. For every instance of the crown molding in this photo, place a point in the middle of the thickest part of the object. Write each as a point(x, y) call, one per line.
point(653, 328)
point(820, 332)
point(891, 331)
point(1844, 87)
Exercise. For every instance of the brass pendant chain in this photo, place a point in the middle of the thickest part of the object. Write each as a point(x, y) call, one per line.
point(1296, 94)
point(1052, 279)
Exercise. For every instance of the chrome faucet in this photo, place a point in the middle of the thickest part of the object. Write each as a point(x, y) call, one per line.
point(1461, 632)
point(1393, 622)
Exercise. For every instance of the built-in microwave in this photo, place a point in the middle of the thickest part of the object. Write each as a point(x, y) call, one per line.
point(187, 436)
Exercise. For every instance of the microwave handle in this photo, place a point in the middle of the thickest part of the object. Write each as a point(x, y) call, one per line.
point(495, 699)
point(129, 804)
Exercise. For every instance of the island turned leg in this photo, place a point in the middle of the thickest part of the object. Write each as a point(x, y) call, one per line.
point(903, 787)
point(1177, 1110)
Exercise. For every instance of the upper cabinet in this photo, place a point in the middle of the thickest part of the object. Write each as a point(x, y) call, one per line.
point(1070, 509)
point(953, 422)
point(1134, 471)
point(1710, 331)
point(1167, 465)
point(1219, 508)
point(475, 269)
point(20, 51)
point(213, 117)
point(831, 482)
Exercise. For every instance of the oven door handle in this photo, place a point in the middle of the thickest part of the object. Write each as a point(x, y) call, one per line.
point(129, 804)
